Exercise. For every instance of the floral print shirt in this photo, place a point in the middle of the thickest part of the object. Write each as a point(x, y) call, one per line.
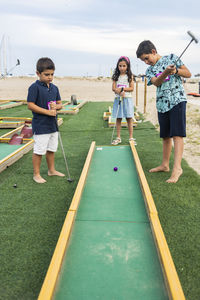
point(171, 91)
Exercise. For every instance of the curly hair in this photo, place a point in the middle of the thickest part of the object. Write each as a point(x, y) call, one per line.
point(116, 73)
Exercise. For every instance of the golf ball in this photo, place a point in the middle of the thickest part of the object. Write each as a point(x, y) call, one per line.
point(15, 185)
point(115, 169)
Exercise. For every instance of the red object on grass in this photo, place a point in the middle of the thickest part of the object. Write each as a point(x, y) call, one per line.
point(16, 139)
point(194, 94)
point(26, 132)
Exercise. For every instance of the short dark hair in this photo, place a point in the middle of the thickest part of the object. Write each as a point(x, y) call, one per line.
point(145, 47)
point(44, 63)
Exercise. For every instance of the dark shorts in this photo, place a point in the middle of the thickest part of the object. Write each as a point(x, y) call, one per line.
point(173, 122)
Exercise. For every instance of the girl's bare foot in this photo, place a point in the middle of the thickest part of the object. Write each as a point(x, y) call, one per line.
point(55, 173)
point(175, 176)
point(160, 168)
point(39, 179)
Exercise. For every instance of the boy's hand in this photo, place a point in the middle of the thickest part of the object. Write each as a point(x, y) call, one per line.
point(170, 70)
point(52, 112)
point(52, 105)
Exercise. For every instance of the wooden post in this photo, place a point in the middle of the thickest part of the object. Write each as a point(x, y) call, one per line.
point(136, 91)
point(145, 94)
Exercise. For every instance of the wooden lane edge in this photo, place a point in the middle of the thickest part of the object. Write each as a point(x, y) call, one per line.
point(81, 183)
point(172, 281)
point(173, 284)
point(149, 202)
point(16, 118)
point(105, 116)
point(4, 101)
point(10, 133)
point(82, 103)
point(112, 123)
point(69, 112)
point(11, 124)
point(52, 274)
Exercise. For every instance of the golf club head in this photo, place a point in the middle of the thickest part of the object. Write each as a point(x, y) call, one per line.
point(70, 180)
point(192, 36)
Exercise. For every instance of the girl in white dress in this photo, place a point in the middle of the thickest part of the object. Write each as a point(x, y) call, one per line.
point(123, 86)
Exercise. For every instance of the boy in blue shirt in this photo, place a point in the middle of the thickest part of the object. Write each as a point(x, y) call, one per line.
point(164, 72)
point(43, 100)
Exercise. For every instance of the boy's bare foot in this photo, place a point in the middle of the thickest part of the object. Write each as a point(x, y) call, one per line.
point(39, 179)
point(56, 173)
point(159, 169)
point(175, 176)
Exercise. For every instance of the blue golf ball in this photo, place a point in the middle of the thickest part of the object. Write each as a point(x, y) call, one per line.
point(115, 169)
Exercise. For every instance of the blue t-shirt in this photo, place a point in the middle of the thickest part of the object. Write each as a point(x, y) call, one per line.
point(170, 92)
point(40, 94)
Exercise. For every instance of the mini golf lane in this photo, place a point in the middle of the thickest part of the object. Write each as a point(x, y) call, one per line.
point(11, 153)
point(111, 252)
point(7, 149)
point(71, 108)
point(9, 104)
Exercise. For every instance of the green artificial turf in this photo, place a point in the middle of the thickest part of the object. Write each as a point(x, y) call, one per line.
point(32, 215)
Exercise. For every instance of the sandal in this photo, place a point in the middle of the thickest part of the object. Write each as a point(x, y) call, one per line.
point(134, 140)
point(116, 141)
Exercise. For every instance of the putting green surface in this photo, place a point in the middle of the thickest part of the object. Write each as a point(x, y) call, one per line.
point(7, 103)
point(9, 121)
point(70, 106)
point(111, 253)
point(6, 149)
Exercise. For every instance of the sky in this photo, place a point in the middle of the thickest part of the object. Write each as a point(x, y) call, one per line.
point(86, 37)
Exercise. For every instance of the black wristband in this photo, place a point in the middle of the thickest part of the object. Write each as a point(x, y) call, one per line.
point(122, 89)
point(176, 71)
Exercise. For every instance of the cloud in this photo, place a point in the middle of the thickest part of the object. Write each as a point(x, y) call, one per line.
point(70, 26)
point(46, 6)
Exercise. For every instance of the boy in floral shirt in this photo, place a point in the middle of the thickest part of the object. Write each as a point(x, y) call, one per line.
point(165, 73)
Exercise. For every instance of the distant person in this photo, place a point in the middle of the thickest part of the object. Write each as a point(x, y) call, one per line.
point(43, 100)
point(123, 86)
point(170, 102)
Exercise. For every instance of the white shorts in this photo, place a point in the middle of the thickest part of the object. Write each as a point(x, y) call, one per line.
point(45, 142)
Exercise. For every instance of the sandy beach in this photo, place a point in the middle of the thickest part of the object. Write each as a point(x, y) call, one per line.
point(99, 89)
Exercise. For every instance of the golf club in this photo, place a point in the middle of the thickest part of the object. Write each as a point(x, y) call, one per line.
point(193, 39)
point(65, 159)
point(63, 151)
point(120, 100)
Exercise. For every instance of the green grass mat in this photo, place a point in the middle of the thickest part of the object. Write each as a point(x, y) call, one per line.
point(32, 215)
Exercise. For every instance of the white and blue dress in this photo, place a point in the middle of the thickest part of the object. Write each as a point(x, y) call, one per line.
point(126, 108)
